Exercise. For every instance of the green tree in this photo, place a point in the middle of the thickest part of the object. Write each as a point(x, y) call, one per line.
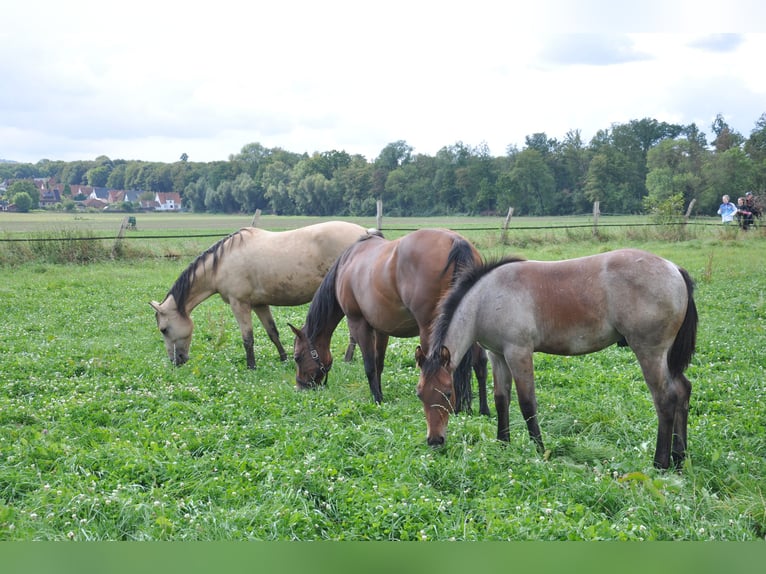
point(116, 179)
point(531, 183)
point(74, 173)
point(98, 176)
point(755, 148)
point(672, 172)
point(725, 137)
point(726, 173)
point(355, 184)
point(570, 170)
point(247, 194)
point(195, 193)
point(22, 201)
point(27, 187)
point(276, 182)
point(310, 195)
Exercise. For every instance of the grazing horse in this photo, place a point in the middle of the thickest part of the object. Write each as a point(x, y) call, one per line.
point(251, 269)
point(385, 289)
point(514, 308)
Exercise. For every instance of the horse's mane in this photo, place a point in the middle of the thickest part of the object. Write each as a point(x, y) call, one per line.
point(324, 305)
point(181, 288)
point(451, 299)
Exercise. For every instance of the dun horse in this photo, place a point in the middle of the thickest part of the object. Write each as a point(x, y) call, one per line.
point(385, 289)
point(252, 269)
point(514, 308)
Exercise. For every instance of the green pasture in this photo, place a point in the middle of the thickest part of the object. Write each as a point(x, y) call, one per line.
point(101, 438)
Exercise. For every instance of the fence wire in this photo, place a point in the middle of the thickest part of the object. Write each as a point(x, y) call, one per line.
point(499, 229)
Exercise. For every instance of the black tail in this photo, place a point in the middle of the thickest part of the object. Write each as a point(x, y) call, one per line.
point(462, 256)
point(686, 339)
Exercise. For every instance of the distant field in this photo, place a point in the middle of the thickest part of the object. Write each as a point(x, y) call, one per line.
point(183, 234)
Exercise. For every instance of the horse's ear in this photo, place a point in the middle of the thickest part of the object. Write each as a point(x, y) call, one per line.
point(444, 356)
point(420, 356)
point(297, 332)
point(155, 305)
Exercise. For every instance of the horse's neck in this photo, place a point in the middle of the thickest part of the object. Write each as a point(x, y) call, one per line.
point(321, 335)
point(462, 331)
point(202, 286)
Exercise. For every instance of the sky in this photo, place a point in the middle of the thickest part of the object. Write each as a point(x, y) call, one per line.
point(152, 80)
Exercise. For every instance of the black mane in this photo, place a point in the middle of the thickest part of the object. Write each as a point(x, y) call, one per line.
point(182, 286)
point(449, 302)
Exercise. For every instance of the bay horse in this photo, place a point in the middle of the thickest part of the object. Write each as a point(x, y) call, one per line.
point(252, 269)
point(386, 288)
point(514, 307)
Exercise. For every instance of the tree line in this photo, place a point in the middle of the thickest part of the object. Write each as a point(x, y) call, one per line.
point(635, 167)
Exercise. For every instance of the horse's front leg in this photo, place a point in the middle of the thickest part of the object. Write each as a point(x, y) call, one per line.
point(365, 338)
point(501, 377)
point(349, 356)
point(244, 318)
point(264, 316)
point(479, 357)
point(522, 368)
point(381, 345)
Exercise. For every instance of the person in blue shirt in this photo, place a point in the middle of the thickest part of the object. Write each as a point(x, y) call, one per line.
point(727, 210)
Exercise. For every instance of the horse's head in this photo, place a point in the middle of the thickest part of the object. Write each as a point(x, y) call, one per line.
point(311, 366)
point(435, 389)
point(176, 329)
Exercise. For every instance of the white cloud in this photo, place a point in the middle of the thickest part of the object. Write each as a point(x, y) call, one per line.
point(157, 79)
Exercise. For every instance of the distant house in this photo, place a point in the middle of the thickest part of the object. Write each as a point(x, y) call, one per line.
point(81, 192)
point(168, 201)
point(49, 197)
point(95, 203)
point(100, 193)
point(122, 195)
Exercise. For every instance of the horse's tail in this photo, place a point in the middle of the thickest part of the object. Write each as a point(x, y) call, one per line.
point(462, 255)
point(686, 339)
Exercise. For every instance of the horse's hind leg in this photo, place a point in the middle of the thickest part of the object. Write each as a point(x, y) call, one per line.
point(264, 315)
point(667, 394)
point(680, 422)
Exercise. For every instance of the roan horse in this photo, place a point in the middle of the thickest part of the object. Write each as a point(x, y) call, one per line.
point(251, 269)
point(386, 289)
point(514, 308)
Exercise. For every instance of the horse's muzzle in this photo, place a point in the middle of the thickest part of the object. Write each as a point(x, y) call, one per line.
point(435, 441)
point(305, 385)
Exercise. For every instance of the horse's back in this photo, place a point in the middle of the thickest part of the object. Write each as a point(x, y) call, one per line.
point(283, 267)
point(396, 284)
point(579, 305)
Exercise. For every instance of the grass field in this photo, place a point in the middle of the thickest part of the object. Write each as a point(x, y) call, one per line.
point(102, 439)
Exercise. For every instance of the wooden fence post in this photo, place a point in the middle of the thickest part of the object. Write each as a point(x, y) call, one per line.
point(120, 235)
point(689, 210)
point(256, 217)
point(379, 216)
point(504, 237)
point(596, 213)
